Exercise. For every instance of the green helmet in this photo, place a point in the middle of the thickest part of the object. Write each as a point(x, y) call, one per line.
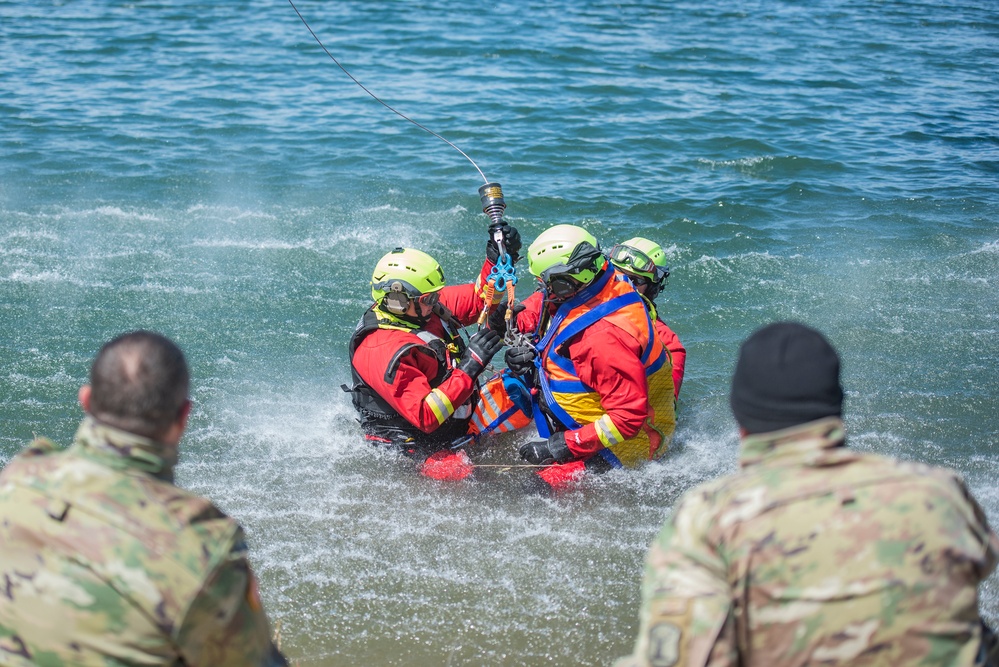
point(405, 271)
point(565, 254)
point(642, 257)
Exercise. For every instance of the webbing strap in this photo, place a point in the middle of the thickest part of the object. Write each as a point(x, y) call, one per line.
point(598, 313)
point(553, 405)
point(540, 418)
point(564, 310)
point(512, 410)
point(584, 321)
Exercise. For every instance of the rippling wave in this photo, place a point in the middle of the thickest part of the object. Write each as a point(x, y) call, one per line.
point(205, 170)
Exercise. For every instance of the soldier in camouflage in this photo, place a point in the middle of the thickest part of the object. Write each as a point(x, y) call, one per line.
point(103, 561)
point(812, 554)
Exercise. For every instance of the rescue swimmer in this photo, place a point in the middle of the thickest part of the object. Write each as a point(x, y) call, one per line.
point(644, 262)
point(414, 377)
point(605, 380)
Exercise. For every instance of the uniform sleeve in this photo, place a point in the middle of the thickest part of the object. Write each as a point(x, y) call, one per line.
point(686, 611)
point(226, 625)
point(527, 320)
point(423, 406)
point(677, 353)
point(466, 301)
point(609, 360)
point(979, 531)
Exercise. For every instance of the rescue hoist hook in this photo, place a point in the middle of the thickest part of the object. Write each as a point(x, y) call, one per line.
point(503, 276)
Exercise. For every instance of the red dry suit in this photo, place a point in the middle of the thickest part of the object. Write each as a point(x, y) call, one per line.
point(677, 352)
point(406, 387)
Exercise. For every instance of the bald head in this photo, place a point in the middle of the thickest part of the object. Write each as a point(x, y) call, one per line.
point(139, 383)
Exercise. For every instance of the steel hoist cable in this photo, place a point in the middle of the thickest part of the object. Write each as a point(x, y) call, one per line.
point(503, 276)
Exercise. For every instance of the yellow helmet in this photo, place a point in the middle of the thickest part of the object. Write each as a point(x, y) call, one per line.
point(404, 274)
point(643, 258)
point(566, 258)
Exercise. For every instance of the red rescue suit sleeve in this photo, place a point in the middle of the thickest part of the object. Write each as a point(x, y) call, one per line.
point(465, 301)
point(527, 319)
point(609, 360)
point(677, 353)
point(408, 388)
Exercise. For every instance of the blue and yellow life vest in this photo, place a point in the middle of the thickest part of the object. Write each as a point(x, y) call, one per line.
point(613, 299)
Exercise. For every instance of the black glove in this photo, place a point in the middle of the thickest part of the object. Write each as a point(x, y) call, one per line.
point(511, 243)
point(497, 318)
point(520, 360)
point(541, 452)
point(481, 348)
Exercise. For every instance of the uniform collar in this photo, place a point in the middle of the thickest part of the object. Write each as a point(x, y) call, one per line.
point(122, 450)
point(387, 320)
point(797, 444)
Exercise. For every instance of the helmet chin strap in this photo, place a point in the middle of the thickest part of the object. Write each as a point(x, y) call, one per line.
point(442, 311)
point(416, 319)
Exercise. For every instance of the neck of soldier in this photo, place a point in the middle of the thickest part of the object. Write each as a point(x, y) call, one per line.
point(798, 442)
point(173, 434)
point(168, 440)
point(119, 448)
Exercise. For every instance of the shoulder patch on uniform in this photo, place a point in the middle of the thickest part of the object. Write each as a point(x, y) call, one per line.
point(664, 644)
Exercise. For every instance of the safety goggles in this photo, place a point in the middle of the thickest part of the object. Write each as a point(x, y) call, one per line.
point(635, 260)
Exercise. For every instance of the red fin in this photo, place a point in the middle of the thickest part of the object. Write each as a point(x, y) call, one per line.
point(562, 476)
point(447, 466)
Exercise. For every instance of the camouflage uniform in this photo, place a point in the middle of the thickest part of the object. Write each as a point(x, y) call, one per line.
point(815, 554)
point(103, 561)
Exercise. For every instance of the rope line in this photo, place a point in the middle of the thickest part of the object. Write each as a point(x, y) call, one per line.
point(378, 99)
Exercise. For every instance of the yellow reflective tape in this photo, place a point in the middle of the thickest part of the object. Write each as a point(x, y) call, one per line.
point(440, 405)
point(607, 432)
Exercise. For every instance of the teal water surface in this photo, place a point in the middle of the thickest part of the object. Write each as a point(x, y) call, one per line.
point(204, 169)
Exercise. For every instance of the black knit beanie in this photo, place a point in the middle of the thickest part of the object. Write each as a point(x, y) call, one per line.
point(787, 374)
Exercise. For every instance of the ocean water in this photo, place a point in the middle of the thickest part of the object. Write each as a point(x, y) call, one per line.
point(206, 170)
